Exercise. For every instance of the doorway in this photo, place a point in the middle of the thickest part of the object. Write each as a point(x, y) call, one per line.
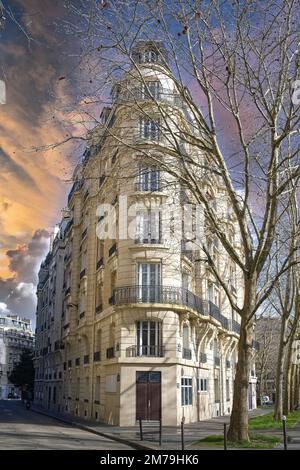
point(148, 396)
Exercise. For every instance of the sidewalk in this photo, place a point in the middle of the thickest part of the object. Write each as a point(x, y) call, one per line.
point(171, 435)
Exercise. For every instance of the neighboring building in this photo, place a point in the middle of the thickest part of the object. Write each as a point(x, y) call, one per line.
point(49, 345)
point(16, 336)
point(142, 329)
point(267, 332)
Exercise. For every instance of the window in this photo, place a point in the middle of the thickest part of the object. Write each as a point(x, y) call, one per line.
point(99, 296)
point(97, 389)
point(148, 338)
point(186, 391)
point(203, 385)
point(149, 226)
point(149, 129)
point(100, 248)
point(148, 279)
point(217, 389)
point(227, 390)
point(149, 56)
point(154, 90)
point(83, 262)
point(148, 179)
point(82, 301)
point(77, 388)
point(111, 383)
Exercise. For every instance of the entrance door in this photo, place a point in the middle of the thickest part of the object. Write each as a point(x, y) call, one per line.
point(148, 396)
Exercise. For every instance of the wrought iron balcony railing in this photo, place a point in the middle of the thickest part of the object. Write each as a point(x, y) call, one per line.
point(171, 295)
point(146, 350)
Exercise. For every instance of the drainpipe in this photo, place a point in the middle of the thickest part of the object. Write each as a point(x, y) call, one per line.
point(222, 407)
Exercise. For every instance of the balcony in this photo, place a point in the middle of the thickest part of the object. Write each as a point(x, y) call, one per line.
point(142, 187)
point(186, 353)
point(86, 359)
point(145, 351)
point(97, 356)
point(162, 94)
point(149, 241)
point(110, 353)
point(171, 295)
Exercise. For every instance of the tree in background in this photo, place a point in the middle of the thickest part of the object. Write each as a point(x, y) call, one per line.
point(22, 374)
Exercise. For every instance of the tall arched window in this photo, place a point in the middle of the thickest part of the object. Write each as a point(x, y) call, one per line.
point(186, 352)
point(149, 338)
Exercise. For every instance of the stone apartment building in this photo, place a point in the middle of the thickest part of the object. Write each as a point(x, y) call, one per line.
point(134, 325)
point(16, 335)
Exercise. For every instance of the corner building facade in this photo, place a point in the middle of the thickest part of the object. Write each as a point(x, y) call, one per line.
point(140, 327)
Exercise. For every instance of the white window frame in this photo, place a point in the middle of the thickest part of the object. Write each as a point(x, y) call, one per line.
point(148, 275)
point(150, 129)
point(151, 349)
point(149, 226)
point(202, 385)
point(149, 178)
point(186, 391)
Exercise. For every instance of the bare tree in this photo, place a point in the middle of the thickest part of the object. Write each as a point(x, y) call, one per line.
point(283, 298)
point(230, 62)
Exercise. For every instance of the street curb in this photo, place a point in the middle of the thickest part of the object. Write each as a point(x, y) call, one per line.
point(133, 444)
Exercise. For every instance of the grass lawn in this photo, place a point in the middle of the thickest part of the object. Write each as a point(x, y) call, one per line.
point(267, 421)
point(258, 441)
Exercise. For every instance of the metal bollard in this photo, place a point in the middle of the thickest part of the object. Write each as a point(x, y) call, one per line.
point(141, 429)
point(160, 432)
point(182, 433)
point(284, 432)
point(225, 436)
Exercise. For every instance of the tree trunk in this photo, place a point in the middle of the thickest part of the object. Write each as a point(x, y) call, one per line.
point(238, 428)
point(296, 387)
point(287, 382)
point(279, 371)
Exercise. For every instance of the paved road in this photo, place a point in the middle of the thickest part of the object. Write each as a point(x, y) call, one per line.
point(24, 429)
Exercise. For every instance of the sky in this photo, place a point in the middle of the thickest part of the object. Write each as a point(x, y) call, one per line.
point(34, 59)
